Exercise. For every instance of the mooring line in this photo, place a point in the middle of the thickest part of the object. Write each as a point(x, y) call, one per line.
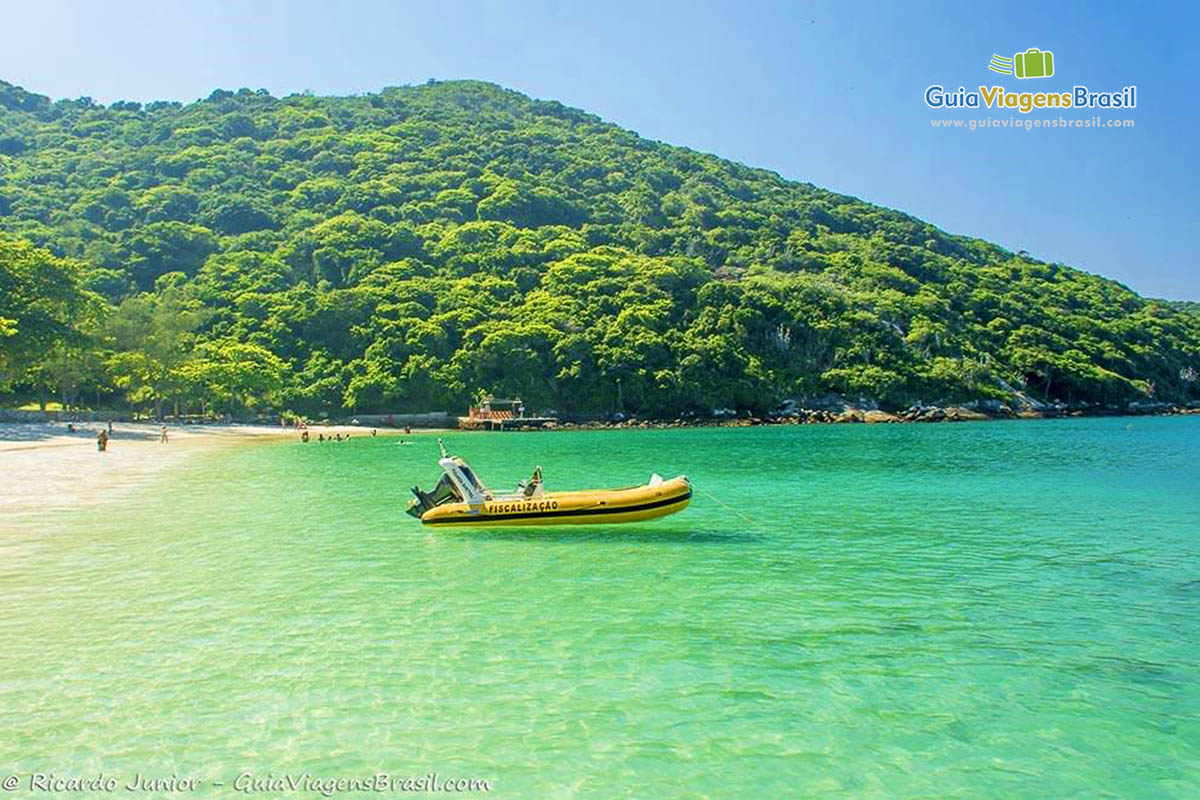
point(731, 509)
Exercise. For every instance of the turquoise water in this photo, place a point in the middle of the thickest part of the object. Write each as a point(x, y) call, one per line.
point(977, 610)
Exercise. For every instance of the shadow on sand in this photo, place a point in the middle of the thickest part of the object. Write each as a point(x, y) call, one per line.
point(84, 432)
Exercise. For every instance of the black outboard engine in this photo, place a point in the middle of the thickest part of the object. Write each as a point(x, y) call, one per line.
point(444, 492)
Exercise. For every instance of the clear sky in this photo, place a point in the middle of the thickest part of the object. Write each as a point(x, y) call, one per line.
point(827, 92)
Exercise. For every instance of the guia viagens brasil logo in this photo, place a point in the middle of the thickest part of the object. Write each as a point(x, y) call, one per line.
point(1028, 64)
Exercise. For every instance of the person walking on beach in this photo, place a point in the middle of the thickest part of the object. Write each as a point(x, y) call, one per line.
point(102, 441)
point(162, 439)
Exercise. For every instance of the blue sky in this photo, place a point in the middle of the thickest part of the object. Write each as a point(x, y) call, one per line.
point(827, 92)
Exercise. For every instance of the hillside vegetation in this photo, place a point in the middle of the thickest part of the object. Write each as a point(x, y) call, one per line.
point(407, 249)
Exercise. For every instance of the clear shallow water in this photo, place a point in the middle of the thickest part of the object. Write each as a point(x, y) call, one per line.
point(976, 610)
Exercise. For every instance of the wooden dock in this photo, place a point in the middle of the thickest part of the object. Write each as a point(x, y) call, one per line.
point(496, 414)
point(506, 423)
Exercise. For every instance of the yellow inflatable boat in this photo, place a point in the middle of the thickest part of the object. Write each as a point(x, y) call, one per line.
point(461, 500)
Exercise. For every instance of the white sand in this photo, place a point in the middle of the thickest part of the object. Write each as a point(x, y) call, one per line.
point(44, 467)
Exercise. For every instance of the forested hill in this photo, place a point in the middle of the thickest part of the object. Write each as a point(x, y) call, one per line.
point(407, 249)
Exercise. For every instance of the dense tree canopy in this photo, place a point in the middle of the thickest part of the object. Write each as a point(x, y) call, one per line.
point(402, 250)
point(43, 307)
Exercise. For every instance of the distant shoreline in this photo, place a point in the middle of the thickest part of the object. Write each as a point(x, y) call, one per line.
point(932, 414)
point(39, 435)
point(25, 435)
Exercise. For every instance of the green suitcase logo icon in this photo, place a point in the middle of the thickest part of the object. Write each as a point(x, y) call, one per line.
point(1033, 63)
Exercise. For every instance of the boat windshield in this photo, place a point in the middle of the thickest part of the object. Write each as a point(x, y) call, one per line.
point(469, 476)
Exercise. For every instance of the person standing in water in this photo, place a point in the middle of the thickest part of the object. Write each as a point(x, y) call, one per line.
point(102, 440)
point(162, 439)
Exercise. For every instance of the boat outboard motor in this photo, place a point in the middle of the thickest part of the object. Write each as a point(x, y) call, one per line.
point(444, 492)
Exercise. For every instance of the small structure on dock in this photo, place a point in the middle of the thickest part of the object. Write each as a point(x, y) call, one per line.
point(495, 414)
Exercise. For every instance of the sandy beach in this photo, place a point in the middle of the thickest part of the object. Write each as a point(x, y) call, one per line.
point(46, 467)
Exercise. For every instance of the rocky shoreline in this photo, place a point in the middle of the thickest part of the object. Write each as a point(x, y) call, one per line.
point(852, 415)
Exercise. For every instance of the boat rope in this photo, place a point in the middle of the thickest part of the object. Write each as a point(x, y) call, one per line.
point(731, 509)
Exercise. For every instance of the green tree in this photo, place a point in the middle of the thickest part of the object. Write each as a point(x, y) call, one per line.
point(43, 305)
point(154, 336)
point(236, 376)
